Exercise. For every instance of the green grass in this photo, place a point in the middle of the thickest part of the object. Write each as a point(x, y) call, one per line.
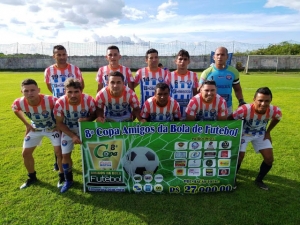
point(43, 204)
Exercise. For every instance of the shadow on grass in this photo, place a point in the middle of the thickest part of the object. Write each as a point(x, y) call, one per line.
point(246, 205)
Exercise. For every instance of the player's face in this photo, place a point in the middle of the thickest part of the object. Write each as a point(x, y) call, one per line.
point(113, 56)
point(31, 93)
point(116, 85)
point(208, 92)
point(161, 97)
point(182, 62)
point(74, 95)
point(262, 103)
point(60, 56)
point(152, 60)
point(220, 56)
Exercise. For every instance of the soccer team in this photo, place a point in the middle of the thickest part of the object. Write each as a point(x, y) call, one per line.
point(165, 96)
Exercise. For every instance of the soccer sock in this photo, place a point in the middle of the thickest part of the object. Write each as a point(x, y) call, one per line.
point(61, 176)
point(67, 172)
point(238, 167)
point(264, 169)
point(32, 175)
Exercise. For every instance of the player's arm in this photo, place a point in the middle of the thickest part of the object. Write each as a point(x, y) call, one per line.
point(137, 113)
point(272, 124)
point(82, 83)
point(21, 116)
point(100, 115)
point(91, 117)
point(131, 85)
point(195, 91)
point(49, 87)
point(100, 86)
point(190, 117)
point(62, 127)
point(238, 93)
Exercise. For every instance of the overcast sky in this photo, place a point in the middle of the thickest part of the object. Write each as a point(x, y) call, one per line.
point(55, 21)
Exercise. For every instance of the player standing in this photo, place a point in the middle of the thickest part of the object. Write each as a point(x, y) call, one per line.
point(56, 74)
point(256, 117)
point(70, 109)
point(116, 102)
point(183, 83)
point(226, 78)
point(207, 105)
point(161, 107)
point(39, 109)
point(148, 77)
point(113, 56)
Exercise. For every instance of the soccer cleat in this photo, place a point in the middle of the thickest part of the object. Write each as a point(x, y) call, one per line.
point(28, 182)
point(66, 186)
point(261, 185)
point(61, 180)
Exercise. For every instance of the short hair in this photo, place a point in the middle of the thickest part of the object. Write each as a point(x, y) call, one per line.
point(73, 82)
point(264, 91)
point(28, 82)
point(151, 50)
point(162, 86)
point(182, 53)
point(112, 47)
point(58, 47)
point(159, 64)
point(209, 82)
point(116, 74)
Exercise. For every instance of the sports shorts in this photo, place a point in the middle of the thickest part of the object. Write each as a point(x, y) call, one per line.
point(257, 141)
point(67, 144)
point(34, 138)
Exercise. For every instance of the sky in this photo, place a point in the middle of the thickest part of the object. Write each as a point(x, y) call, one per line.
point(161, 21)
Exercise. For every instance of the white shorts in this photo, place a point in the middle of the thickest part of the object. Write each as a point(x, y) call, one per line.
point(33, 138)
point(67, 144)
point(257, 141)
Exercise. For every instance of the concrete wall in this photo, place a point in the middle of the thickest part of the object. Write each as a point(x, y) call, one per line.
point(135, 62)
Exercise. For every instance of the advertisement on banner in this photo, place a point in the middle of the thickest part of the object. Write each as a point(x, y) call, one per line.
point(173, 157)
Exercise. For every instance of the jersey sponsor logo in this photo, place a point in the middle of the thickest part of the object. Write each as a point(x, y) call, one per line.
point(223, 86)
point(70, 75)
point(160, 79)
point(27, 138)
point(58, 85)
point(189, 82)
point(220, 77)
point(149, 88)
point(45, 113)
point(83, 113)
point(64, 143)
point(180, 91)
point(229, 77)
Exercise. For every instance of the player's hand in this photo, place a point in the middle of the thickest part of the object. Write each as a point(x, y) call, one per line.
point(82, 119)
point(28, 129)
point(143, 120)
point(100, 119)
point(241, 102)
point(268, 136)
point(76, 140)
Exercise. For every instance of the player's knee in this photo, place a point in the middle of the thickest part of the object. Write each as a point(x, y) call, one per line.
point(27, 153)
point(269, 160)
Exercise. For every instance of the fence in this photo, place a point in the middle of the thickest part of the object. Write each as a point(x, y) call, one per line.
point(128, 48)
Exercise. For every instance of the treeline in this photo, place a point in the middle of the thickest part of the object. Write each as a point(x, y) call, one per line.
point(283, 48)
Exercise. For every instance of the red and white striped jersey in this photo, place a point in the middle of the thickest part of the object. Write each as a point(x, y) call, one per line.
point(148, 80)
point(56, 77)
point(41, 115)
point(255, 123)
point(102, 74)
point(155, 113)
point(207, 111)
point(182, 88)
point(72, 113)
point(117, 109)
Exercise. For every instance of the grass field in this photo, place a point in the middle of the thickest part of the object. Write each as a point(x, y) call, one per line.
point(43, 204)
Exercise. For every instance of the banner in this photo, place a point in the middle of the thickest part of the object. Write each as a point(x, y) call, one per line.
point(173, 157)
